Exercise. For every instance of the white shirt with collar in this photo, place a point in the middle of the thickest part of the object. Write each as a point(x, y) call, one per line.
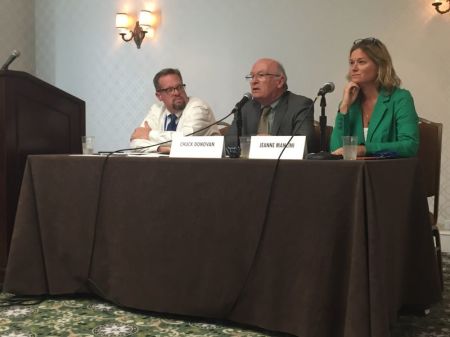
point(195, 116)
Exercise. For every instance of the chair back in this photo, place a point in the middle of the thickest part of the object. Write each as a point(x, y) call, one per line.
point(430, 160)
point(317, 147)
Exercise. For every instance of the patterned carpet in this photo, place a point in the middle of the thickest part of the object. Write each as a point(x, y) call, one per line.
point(83, 317)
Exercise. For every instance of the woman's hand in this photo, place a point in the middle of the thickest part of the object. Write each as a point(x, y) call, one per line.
point(339, 151)
point(351, 91)
point(361, 151)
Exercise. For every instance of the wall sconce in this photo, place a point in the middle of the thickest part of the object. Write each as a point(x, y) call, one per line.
point(143, 27)
point(438, 4)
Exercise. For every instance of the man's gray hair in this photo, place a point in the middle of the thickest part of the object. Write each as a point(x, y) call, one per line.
point(283, 72)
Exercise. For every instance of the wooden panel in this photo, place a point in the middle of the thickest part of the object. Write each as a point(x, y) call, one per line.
point(35, 118)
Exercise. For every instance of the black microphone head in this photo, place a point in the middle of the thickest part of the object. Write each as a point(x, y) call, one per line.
point(245, 99)
point(326, 88)
point(330, 86)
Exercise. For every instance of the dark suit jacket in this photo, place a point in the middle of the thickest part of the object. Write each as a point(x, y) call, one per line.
point(294, 115)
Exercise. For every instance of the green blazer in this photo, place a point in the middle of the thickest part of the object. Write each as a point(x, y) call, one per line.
point(392, 127)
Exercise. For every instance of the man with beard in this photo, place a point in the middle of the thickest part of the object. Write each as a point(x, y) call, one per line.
point(175, 113)
point(274, 110)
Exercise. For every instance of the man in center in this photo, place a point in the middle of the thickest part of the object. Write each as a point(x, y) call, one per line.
point(274, 110)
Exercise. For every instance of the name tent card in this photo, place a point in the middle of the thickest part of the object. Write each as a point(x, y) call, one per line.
point(270, 147)
point(197, 147)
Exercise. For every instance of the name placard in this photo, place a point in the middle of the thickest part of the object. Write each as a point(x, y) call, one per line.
point(197, 147)
point(270, 147)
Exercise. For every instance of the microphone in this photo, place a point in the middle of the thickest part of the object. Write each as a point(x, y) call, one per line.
point(14, 54)
point(326, 88)
point(245, 99)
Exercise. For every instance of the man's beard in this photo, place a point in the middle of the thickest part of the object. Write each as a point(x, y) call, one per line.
point(179, 105)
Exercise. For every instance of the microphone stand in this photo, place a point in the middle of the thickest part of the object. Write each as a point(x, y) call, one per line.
point(323, 154)
point(235, 151)
point(239, 127)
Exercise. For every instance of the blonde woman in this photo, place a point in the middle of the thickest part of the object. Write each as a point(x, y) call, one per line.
point(374, 107)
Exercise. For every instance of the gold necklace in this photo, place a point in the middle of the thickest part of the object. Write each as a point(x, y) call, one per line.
point(366, 119)
point(367, 115)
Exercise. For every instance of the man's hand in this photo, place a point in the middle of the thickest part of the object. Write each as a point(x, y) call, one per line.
point(141, 132)
point(164, 149)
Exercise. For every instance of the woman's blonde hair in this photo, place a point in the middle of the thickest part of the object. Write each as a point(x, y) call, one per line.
point(378, 53)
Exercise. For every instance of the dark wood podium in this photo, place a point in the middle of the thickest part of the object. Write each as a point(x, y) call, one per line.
point(35, 118)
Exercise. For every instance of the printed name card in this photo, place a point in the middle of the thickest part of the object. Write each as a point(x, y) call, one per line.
point(270, 147)
point(197, 147)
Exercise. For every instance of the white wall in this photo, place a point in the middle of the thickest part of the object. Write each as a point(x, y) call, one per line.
point(215, 42)
point(17, 32)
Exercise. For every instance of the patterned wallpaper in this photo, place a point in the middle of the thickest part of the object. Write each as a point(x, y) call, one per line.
point(214, 43)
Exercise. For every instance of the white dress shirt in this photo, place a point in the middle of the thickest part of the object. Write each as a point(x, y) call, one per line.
point(195, 116)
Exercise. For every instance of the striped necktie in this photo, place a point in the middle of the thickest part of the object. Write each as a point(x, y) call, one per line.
point(172, 125)
point(263, 127)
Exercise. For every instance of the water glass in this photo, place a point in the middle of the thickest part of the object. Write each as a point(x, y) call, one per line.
point(350, 147)
point(245, 146)
point(88, 144)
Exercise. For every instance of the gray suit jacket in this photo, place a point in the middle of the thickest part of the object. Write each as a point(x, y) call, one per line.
point(294, 115)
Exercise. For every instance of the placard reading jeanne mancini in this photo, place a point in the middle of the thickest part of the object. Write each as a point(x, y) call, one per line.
point(270, 147)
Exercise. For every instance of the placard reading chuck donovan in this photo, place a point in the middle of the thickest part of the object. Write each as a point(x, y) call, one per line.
point(196, 144)
point(197, 147)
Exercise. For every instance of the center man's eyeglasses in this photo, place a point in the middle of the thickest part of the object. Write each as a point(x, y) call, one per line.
point(260, 76)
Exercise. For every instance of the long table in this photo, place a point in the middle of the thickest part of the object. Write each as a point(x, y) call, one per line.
point(341, 247)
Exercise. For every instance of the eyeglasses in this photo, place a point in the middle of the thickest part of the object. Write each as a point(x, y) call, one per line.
point(171, 90)
point(260, 76)
point(367, 40)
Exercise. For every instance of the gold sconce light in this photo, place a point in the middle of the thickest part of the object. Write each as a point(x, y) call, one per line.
point(437, 4)
point(144, 27)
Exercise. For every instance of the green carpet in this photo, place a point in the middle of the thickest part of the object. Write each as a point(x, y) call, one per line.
point(79, 316)
point(83, 317)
